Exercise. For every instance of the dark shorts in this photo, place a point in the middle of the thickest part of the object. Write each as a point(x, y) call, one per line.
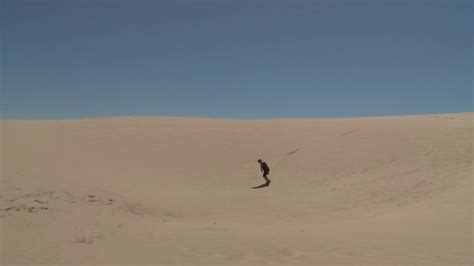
point(265, 173)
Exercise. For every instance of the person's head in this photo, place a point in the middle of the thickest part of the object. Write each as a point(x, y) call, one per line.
point(259, 161)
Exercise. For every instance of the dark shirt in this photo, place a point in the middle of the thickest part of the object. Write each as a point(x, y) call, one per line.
point(264, 167)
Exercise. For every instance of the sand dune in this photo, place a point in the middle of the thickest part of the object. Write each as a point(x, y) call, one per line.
point(177, 191)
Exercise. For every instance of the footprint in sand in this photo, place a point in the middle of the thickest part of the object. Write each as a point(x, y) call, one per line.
point(83, 240)
point(287, 252)
point(87, 239)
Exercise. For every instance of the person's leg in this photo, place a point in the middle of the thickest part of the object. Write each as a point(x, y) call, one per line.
point(265, 175)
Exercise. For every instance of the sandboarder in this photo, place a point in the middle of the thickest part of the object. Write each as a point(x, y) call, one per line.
point(265, 170)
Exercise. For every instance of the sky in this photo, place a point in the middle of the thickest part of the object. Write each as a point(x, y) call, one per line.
point(235, 59)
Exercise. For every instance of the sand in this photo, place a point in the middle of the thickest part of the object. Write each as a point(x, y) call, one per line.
point(177, 191)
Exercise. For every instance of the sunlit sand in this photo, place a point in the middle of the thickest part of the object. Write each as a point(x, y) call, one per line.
point(177, 191)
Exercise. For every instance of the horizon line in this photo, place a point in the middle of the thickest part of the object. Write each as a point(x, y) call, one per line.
point(235, 119)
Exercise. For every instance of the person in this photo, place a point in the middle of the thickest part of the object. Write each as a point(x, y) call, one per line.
point(265, 170)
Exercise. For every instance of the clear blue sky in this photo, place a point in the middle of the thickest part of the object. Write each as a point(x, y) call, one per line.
point(270, 59)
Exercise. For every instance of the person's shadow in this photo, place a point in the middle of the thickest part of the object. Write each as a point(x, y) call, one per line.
point(262, 186)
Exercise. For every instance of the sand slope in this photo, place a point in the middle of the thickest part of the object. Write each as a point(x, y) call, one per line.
point(176, 191)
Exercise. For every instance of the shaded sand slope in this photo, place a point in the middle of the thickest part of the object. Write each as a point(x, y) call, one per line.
point(176, 191)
